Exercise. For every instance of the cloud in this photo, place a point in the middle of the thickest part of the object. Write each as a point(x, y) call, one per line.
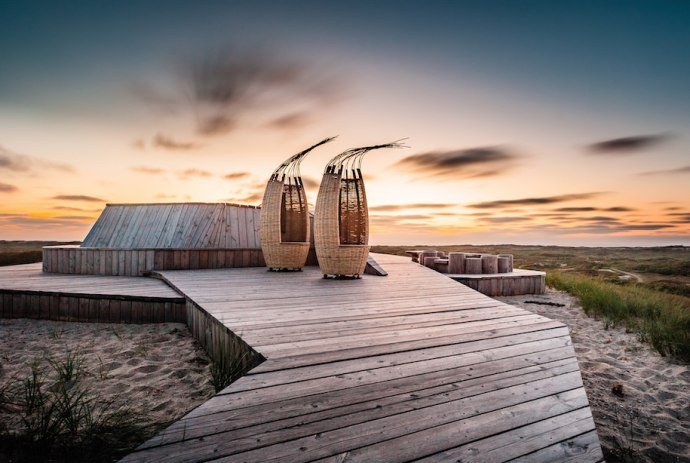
point(251, 198)
point(236, 175)
point(398, 207)
point(467, 163)
point(619, 209)
point(592, 209)
point(291, 121)
point(216, 125)
point(7, 188)
point(71, 208)
point(154, 98)
point(189, 173)
point(676, 171)
point(33, 222)
point(505, 219)
point(576, 209)
point(228, 84)
point(15, 162)
point(626, 145)
point(165, 142)
point(147, 170)
point(533, 201)
point(84, 198)
point(310, 183)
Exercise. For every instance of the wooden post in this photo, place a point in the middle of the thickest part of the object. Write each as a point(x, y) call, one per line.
point(429, 262)
point(505, 263)
point(441, 265)
point(456, 262)
point(473, 265)
point(489, 263)
point(426, 254)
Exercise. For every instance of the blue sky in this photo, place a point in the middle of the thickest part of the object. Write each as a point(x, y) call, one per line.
point(541, 81)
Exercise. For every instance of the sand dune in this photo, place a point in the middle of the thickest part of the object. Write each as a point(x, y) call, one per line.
point(159, 370)
point(651, 421)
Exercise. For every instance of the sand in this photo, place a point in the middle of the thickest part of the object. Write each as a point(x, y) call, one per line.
point(651, 421)
point(158, 370)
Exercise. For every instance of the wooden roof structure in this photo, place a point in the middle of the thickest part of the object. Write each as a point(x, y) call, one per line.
point(176, 226)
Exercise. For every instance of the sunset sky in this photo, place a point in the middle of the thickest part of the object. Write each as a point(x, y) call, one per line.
point(537, 122)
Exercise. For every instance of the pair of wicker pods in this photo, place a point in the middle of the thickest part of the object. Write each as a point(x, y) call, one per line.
point(341, 218)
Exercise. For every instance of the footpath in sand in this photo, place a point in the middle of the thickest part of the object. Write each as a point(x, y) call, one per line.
point(650, 422)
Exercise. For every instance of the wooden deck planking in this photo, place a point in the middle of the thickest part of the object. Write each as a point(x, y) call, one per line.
point(30, 278)
point(410, 366)
point(27, 292)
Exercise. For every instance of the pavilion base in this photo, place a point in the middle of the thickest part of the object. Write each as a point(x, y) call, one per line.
point(515, 283)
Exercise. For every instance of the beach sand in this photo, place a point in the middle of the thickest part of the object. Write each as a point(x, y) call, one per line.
point(158, 370)
point(650, 422)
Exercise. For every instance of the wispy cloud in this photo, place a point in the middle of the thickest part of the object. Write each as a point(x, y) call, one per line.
point(7, 188)
point(592, 209)
point(626, 145)
point(291, 121)
point(252, 198)
point(147, 170)
point(533, 201)
point(236, 175)
point(160, 101)
point(190, 173)
point(675, 171)
point(506, 219)
point(34, 222)
point(227, 84)
point(21, 163)
point(401, 207)
point(168, 143)
point(84, 198)
point(464, 163)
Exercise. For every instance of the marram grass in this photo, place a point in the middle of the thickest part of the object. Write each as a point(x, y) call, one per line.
point(661, 319)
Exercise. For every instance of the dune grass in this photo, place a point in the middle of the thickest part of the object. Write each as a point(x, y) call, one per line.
point(63, 419)
point(661, 319)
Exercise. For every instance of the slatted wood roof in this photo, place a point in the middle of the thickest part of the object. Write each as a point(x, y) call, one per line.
point(176, 225)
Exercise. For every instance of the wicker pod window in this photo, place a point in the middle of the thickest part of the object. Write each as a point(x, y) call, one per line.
point(353, 217)
point(285, 231)
point(341, 219)
point(294, 213)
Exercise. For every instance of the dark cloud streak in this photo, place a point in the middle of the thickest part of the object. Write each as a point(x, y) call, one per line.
point(465, 163)
point(626, 145)
point(533, 201)
point(84, 198)
point(7, 188)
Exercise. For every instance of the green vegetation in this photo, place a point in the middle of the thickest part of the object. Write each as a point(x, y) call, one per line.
point(661, 319)
point(233, 358)
point(24, 252)
point(57, 414)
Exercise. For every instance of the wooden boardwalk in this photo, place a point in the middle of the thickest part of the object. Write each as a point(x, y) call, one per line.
point(27, 292)
point(409, 367)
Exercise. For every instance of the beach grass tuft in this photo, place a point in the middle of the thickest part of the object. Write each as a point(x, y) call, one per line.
point(659, 318)
point(61, 416)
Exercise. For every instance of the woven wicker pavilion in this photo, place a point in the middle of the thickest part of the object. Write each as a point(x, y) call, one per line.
point(285, 216)
point(341, 218)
